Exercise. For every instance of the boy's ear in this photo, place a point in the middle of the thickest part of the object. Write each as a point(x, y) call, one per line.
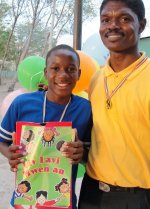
point(79, 74)
point(45, 72)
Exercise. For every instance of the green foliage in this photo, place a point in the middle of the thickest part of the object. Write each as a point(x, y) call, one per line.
point(12, 53)
point(63, 23)
point(89, 12)
point(4, 33)
point(37, 41)
point(3, 39)
point(4, 8)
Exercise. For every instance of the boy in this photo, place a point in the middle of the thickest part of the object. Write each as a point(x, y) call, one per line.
point(56, 104)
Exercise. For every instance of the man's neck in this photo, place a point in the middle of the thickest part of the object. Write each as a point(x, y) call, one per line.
point(120, 61)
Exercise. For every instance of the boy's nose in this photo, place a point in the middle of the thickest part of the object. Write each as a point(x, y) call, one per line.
point(63, 72)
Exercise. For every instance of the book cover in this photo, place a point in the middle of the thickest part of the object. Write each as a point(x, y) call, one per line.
point(43, 180)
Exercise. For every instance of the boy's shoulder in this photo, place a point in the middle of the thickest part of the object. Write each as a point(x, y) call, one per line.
point(80, 101)
point(80, 98)
point(29, 96)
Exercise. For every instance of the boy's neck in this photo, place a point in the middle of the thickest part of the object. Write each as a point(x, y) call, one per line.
point(57, 99)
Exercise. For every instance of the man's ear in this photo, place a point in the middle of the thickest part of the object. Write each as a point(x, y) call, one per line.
point(142, 25)
point(79, 74)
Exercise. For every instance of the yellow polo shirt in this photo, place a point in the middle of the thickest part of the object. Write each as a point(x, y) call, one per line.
point(120, 150)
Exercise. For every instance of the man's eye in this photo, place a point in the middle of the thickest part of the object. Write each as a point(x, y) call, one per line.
point(105, 20)
point(125, 19)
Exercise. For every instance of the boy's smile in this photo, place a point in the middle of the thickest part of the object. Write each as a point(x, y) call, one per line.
point(62, 73)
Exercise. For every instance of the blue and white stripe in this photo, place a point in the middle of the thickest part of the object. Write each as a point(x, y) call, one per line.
point(5, 135)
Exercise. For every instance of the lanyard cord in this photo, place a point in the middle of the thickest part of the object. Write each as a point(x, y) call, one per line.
point(63, 113)
point(108, 97)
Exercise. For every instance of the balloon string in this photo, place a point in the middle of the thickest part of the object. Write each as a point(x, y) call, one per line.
point(34, 76)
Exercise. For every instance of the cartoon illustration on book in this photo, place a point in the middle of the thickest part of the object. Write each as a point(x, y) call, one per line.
point(27, 136)
point(27, 141)
point(22, 188)
point(48, 137)
point(41, 199)
point(49, 134)
point(48, 172)
point(59, 144)
point(63, 187)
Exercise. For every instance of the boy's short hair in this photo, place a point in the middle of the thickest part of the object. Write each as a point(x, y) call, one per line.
point(65, 47)
point(137, 6)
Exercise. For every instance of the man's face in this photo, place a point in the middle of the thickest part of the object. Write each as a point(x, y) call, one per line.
point(120, 27)
point(62, 73)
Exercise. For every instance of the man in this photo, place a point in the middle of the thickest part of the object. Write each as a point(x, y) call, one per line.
point(118, 167)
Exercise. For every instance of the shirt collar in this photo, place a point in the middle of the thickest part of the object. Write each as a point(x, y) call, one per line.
point(108, 71)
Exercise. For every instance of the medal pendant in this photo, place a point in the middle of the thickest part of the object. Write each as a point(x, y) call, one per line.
point(108, 104)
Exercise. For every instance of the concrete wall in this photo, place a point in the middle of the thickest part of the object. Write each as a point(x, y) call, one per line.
point(144, 45)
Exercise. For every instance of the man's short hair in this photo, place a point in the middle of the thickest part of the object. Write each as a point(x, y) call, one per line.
point(137, 6)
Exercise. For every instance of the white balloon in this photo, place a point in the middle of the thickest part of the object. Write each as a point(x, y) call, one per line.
point(95, 48)
point(9, 98)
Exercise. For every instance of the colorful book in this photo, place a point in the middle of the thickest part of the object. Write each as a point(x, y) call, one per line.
point(43, 181)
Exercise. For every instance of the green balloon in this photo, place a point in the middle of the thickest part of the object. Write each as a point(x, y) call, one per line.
point(31, 72)
point(81, 171)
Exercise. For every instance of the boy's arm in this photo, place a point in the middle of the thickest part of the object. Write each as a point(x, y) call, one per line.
point(12, 154)
point(4, 149)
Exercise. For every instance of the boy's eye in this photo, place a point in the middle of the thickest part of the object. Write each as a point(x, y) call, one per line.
point(55, 68)
point(71, 70)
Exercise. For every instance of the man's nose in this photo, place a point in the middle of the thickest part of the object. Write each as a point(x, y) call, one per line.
point(114, 24)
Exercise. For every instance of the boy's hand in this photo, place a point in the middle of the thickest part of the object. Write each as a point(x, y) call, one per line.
point(73, 150)
point(15, 156)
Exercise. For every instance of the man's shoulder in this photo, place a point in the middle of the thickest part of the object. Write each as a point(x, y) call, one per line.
point(95, 80)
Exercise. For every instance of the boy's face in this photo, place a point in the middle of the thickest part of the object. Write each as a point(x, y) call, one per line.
point(120, 27)
point(62, 73)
